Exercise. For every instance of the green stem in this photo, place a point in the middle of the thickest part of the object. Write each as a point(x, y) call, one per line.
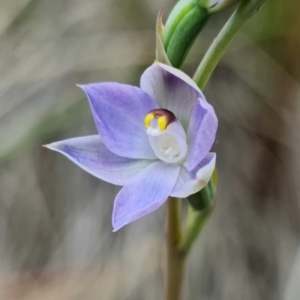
point(196, 221)
point(217, 49)
point(174, 259)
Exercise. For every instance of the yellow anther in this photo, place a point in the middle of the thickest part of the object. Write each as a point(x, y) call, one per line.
point(163, 118)
point(148, 119)
point(162, 123)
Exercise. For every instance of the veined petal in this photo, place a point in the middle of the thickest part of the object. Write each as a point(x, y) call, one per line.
point(201, 133)
point(191, 182)
point(119, 111)
point(144, 193)
point(91, 154)
point(178, 73)
point(172, 89)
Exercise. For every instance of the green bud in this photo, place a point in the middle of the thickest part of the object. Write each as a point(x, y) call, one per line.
point(185, 22)
point(182, 27)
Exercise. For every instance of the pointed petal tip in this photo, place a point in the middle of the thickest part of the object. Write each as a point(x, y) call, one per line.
point(48, 146)
point(116, 224)
point(86, 86)
point(117, 227)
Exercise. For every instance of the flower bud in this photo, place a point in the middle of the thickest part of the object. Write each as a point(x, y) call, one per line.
point(184, 23)
point(182, 27)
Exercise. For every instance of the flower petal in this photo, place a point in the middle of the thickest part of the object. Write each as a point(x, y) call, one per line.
point(91, 154)
point(119, 111)
point(144, 193)
point(184, 77)
point(189, 183)
point(172, 89)
point(201, 133)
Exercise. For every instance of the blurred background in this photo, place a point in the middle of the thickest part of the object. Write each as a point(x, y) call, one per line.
point(56, 239)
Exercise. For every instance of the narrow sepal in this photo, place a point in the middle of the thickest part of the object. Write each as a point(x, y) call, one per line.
point(92, 155)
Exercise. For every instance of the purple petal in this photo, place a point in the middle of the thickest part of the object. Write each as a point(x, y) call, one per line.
point(144, 193)
point(172, 89)
point(191, 182)
point(119, 111)
point(91, 154)
point(184, 77)
point(201, 133)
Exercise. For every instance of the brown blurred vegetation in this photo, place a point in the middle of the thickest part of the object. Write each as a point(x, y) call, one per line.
point(56, 240)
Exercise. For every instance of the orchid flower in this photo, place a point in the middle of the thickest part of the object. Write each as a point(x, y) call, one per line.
point(153, 140)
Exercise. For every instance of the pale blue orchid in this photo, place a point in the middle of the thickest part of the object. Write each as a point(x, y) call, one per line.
point(153, 140)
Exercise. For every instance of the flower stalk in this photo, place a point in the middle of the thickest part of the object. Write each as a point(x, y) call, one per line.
point(174, 259)
point(242, 14)
point(195, 222)
point(247, 9)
